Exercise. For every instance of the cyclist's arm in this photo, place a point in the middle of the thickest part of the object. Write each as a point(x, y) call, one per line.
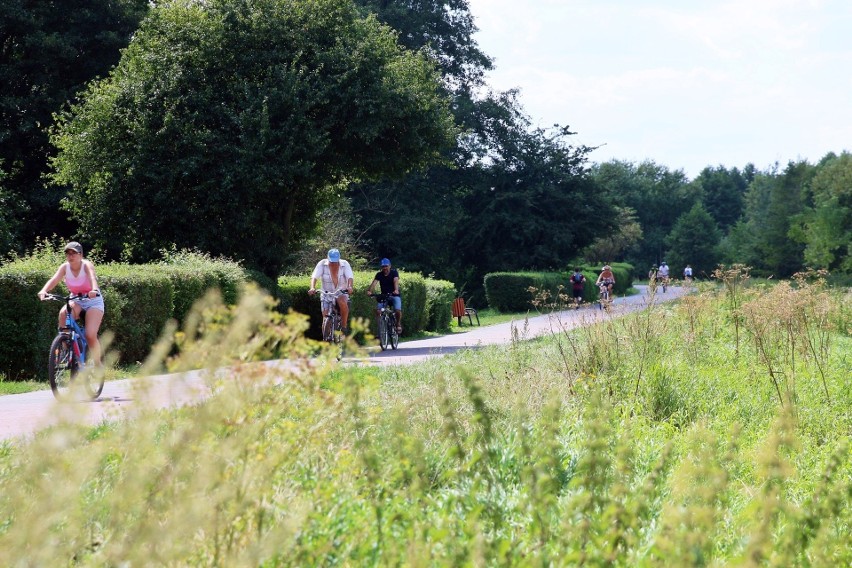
point(93, 278)
point(396, 286)
point(51, 284)
point(312, 288)
point(372, 285)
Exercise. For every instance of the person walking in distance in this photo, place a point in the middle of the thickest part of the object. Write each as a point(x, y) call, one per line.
point(388, 280)
point(333, 273)
point(577, 286)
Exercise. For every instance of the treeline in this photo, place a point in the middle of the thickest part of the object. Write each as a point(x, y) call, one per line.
point(137, 128)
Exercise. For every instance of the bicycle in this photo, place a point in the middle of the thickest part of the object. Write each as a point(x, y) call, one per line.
point(604, 299)
point(387, 323)
point(67, 359)
point(331, 325)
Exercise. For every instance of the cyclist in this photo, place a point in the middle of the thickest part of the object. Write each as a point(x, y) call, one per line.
point(687, 273)
point(663, 274)
point(577, 280)
point(388, 280)
point(334, 273)
point(652, 274)
point(606, 278)
point(81, 280)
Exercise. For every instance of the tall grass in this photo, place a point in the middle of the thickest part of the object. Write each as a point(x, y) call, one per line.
point(652, 440)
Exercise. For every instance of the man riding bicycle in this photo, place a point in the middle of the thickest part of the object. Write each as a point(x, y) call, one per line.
point(334, 274)
point(663, 274)
point(388, 280)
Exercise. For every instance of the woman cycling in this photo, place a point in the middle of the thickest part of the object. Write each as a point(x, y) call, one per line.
point(606, 278)
point(81, 280)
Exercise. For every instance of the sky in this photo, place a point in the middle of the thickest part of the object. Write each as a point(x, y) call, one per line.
point(684, 83)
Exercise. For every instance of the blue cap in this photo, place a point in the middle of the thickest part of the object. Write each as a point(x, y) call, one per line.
point(333, 255)
point(385, 262)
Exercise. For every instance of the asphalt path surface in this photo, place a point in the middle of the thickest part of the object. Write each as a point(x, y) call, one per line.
point(22, 415)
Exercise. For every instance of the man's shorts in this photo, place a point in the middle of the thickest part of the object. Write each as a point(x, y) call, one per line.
point(329, 301)
point(578, 292)
point(395, 300)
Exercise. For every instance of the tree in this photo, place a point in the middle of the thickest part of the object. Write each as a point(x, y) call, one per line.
point(445, 29)
point(826, 228)
point(657, 194)
point(48, 52)
point(533, 204)
point(613, 246)
point(773, 202)
point(722, 192)
point(693, 241)
point(229, 124)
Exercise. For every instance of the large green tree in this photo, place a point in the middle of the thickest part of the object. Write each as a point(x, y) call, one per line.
point(722, 192)
point(657, 194)
point(773, 202)
point(228, 124)
point(693, 240)
point(826, 228)
point(48, 52)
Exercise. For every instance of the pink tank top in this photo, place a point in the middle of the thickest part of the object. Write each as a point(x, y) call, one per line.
point(80, 284)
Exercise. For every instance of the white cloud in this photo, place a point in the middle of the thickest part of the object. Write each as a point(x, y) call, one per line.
point(687, 85)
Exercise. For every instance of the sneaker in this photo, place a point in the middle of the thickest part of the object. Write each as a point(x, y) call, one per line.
point(398, 329)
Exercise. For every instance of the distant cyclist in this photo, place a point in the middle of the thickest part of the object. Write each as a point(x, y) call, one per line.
point(687, 273)
point(334, 274)
point(577, 285)
point(663, 274)
point(606, 278)
point(388, 280)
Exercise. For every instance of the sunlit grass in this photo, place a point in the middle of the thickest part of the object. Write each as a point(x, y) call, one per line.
point(650, 440)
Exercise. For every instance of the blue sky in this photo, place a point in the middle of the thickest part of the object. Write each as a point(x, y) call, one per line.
point(686, 84)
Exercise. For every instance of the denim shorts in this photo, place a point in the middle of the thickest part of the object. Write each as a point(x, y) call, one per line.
point(96, 303)
point(395, 300)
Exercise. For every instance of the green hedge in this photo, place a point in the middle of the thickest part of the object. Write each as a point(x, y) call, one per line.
point(509, 291)
point(139, 300)
point(439, 304)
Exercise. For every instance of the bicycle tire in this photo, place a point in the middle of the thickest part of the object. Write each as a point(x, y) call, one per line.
point(93, 382)
point(394, 336)
point(61, 365)
point(328, 328)
point(383, 332)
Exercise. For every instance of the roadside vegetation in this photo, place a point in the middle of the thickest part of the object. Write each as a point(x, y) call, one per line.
point(713, 432)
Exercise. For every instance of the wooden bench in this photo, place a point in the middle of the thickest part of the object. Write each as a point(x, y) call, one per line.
point(460, 311)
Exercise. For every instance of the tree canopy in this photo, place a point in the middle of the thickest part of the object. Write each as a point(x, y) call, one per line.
point(48, 52)
point(228, 124)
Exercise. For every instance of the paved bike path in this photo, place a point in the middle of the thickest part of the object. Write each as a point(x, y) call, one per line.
point(25, 414)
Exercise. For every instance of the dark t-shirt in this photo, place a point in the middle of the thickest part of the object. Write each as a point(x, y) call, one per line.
point(577, 280)
point(386, 282)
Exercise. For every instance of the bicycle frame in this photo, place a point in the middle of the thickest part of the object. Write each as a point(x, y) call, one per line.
point(78, 335)
point(333, 314)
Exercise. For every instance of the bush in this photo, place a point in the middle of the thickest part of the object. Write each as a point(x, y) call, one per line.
point(439, 303)
point(510, 291)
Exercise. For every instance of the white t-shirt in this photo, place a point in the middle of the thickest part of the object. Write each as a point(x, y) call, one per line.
point(664, 270)
point(322, 273)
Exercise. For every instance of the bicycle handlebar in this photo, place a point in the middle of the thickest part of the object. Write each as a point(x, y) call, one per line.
point(58, 298)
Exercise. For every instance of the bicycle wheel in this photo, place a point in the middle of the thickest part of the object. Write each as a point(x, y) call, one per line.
point(328, 328)
point(394, 336)
point(665, 285)
point(61, 365)
point(92, 379)
point(383, 332)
